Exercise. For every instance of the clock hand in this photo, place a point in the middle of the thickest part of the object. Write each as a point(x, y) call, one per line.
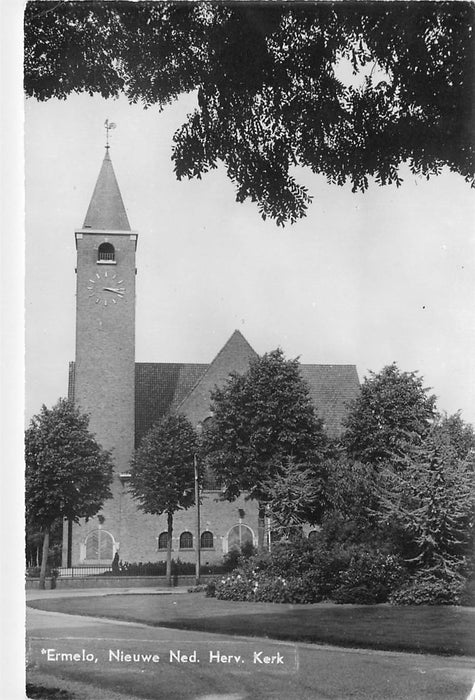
point(113, 289)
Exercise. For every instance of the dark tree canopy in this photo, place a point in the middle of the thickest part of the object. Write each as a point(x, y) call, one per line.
point(163, 473)
point(294, 498)
point(268, 98)
point(163, 478)
point(393, 410)
point(459, 434)
point(432, 502)
point(67, 473)
point(261, 420)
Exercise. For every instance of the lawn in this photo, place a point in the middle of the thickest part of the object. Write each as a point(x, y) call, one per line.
point(443, 630)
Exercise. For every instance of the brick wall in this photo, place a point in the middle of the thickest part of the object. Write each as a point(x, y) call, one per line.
point(104, 377)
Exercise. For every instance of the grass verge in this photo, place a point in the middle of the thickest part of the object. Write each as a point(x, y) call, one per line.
point(443, 630)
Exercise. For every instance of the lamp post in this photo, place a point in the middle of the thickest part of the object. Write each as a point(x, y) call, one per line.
point(197, 501)
point(198, 533)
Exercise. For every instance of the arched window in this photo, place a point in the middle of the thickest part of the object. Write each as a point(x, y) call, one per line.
point(99, 545)
point(312, 535)
point(186, 540)
point(240, 535)
point(207, 540)
point(163, 540)
point(106, 252)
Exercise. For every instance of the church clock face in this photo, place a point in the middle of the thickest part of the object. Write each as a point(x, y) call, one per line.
point(106, 288)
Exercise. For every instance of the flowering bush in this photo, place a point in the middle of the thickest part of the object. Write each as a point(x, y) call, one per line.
point(235, 587)
point(302, 572)
point(302, 589)
point(260, 586)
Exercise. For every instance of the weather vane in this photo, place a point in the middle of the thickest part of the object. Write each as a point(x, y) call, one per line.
point(108, 126)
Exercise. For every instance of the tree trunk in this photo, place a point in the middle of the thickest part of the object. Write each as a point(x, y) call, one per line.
point(44, 559)
point(169, 548)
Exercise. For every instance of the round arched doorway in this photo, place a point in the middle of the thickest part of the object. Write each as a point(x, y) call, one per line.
point(238, 536)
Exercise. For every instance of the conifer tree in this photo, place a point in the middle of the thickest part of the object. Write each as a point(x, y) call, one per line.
point(294, 497)
point(431, 502)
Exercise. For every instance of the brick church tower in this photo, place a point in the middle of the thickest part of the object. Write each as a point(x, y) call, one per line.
point(102, 379)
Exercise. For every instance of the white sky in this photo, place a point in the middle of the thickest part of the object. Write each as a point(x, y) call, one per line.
point(365, 279)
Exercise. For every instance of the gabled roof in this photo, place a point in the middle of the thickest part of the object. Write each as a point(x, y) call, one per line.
point(106, 209)
point(164, 387)
point(159, 388)
point(233, 357)
point(186, 388)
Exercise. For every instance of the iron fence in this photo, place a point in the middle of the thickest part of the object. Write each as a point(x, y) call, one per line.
point(82, 571)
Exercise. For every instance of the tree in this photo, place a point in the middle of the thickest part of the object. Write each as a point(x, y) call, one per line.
point(392, 409)
point(33, 542)
point(293, 498)
point(34, 537)
point(262, 419)
point(432, 503)
point(459, 434)
point(351, 497)
point(268, 95)
point(67, 473)
point(163, 477)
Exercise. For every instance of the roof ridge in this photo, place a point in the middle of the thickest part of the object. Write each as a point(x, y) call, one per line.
point(189, 364)
point(236, 332)
point(325, 364)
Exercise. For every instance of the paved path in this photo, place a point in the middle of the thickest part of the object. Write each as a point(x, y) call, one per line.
point(163, 664)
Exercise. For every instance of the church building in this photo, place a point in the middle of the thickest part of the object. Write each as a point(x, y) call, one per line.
point(124, 399)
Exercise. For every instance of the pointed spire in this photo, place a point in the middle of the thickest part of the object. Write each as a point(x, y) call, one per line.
point(106, 209)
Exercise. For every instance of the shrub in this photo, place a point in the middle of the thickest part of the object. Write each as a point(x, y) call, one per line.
point(369, 578)
point(234, 558)
point(468, 593)
point(428, 588)
point(272, 590)
point(211, 589)
point(235, 587)
point(153, 568)
point(303, 572)
point(230, 560)
point(149, 568)
point(261, 586)
point(34, 571)
point(303, 589)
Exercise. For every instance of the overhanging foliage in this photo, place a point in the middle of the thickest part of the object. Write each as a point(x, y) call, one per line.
point(269, 92)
